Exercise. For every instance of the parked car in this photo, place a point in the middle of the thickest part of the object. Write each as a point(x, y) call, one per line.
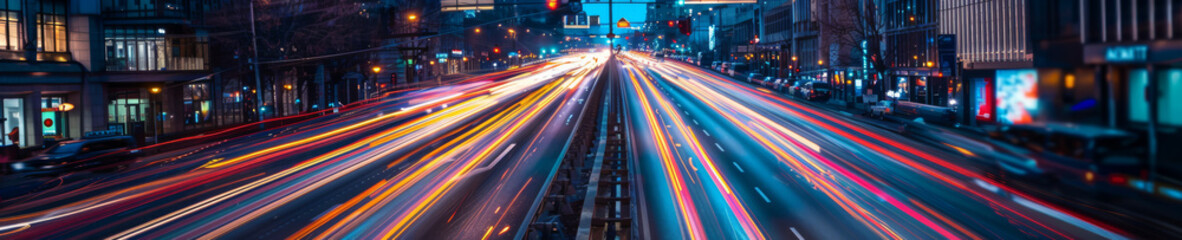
point(794, 89)
point(815, 91)
point(736, 69)
point(715, 65)
point(881, 109)
point(755, 78)
point(1099, 160)
point(117, 151)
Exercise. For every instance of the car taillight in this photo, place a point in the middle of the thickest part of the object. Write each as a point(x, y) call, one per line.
point(1118, 179)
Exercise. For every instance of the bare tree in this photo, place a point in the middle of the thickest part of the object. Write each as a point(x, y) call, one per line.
point(849, 23)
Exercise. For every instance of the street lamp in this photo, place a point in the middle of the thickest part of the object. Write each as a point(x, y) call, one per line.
point(377, 69)
point(477, 30)
point(412, 17)
point(155, 115)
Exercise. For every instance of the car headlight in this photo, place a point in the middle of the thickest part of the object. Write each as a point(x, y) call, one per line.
point(18, 166)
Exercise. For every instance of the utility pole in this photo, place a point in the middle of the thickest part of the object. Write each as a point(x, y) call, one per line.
point(258, 82)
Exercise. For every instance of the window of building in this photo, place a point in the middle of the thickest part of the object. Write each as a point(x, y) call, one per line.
point(146, 8)
point(146, 48)
point(10, 29)
point(51, 27)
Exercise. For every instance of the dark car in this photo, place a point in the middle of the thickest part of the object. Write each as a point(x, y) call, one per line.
point(794, 88)
point(1096, 159)
point(80, 154)
point(815, 91)
point(755, 78)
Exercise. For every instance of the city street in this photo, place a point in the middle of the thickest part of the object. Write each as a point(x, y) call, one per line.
point(590, 120)
point(716, 159)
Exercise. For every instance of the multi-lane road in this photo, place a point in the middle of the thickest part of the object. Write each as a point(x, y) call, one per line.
point(714, 159)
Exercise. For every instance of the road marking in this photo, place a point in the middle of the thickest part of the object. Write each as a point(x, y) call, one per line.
point(707, 133)
point(695, 121)
point(737, 166)
point(797, 233)
point(762, 195)
point(568, 118)
point(719, 147)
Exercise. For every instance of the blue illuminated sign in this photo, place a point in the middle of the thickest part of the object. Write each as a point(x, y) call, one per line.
point(1134, 53)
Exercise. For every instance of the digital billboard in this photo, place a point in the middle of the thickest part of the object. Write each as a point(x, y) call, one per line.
point(983, 99)
point(1017, 96)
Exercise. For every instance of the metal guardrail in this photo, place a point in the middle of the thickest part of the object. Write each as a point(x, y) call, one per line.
point(553, 213)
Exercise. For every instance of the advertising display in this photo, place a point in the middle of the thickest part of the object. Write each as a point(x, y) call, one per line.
point(1017, 96)
point(983, 99)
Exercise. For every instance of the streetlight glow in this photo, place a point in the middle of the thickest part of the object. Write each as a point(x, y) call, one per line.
point(377, 69)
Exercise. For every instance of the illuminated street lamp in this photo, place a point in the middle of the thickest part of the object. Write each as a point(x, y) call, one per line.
point(377, 69)
point(412, 17)
point(154, 90)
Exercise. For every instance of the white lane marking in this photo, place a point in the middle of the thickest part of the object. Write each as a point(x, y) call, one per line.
point(695, 121)
point(568, 118)
point(719, 147)
point(797, 233)
point(707, 133)
point(765, 199)
point(737, 166)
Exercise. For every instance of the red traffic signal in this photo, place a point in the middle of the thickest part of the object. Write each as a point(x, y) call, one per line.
point(685, 26)
point(496, 49)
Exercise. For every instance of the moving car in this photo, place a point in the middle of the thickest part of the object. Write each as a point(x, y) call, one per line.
point(1099, 160)
point(117, 151)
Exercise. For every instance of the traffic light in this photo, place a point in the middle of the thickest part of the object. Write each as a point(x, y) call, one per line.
point(685, 26)
point(567, 6)
point(496, 49)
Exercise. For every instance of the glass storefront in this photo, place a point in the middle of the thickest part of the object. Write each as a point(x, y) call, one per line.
point(126, 108)
point(198, 105)
point(1169, 103)
point(14, 117)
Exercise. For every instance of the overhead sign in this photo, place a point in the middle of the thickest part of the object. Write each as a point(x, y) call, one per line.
point(441, 55)
point(457, 52)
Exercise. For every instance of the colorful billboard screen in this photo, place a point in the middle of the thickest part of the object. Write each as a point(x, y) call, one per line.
point(1017, 96)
